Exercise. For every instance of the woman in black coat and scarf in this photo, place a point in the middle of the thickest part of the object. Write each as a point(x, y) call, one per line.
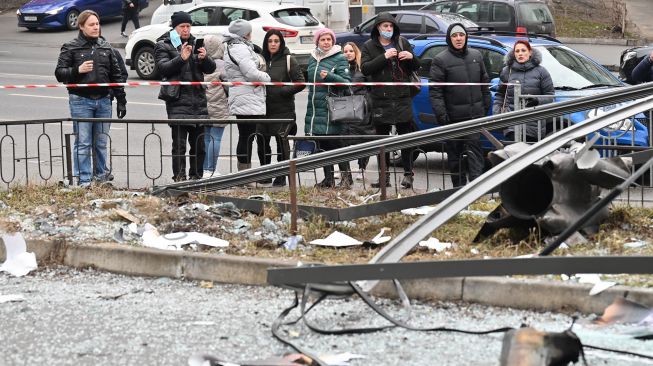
point(279, 100)
point(523, 67)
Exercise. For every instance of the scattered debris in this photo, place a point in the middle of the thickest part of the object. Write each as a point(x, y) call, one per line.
point(127, 216)
point(418, 211)
point(435, 244)
point(635, 244)
point(11, 298)
point(625, 311)
point(530, 347)
point(175, 241)
point(18, 261)
point(337, 239)
point(293, 241)
point(206, 284)
point(594, 279)
point(380, 238)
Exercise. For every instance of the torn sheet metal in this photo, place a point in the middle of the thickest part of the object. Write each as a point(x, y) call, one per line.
point(625, 311)
point(175, 241)
point(530, 347)
point(18, 261)
point(337, 239)
point(595, 279)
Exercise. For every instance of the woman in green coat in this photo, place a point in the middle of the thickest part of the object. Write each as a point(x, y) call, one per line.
point(327, 64)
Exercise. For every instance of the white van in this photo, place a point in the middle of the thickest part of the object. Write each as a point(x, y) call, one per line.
point(333, 13)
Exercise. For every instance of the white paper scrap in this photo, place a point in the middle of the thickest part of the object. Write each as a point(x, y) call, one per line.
point(635, 244)
point(174, 241)
point(594, 279)
point(341, 359)
point(380, 239)
point(435, 244)
point(337, 239)
point(11, 298)
point(19, 262)
point(418, 210)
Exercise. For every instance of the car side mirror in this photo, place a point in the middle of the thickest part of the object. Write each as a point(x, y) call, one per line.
point(168, 2)
point(357, 29)
point(494, 84)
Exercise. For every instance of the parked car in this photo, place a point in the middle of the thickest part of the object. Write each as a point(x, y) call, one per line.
point(521, 16)
point(573, 74)
point(631, 58)
point(296, 23)
point(164, 11)
point(63, 13)
point(412, 23)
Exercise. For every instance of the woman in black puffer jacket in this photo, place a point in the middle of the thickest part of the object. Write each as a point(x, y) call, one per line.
point(279, 100)
point(523, 67)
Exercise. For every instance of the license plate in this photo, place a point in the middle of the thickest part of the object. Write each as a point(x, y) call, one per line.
point(30, 19)
point(306, 39)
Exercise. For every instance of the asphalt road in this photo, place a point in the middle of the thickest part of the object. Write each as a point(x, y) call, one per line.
point(73, 317)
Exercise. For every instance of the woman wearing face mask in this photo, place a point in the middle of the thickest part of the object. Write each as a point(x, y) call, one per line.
point(388, 57)
point(353, 56)
point(523, 67)
point(327, 64)
point(279, 100)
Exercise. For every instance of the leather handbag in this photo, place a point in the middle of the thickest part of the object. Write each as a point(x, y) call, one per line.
point(169, 93)
point(347, 109)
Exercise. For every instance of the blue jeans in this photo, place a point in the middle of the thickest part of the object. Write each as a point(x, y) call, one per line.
point(212, 138)
point(90, 134)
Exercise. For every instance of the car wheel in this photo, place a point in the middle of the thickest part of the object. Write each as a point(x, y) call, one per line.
point(145, 65)
point(71, 19)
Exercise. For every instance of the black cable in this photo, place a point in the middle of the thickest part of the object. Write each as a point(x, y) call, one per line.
point(618, 351)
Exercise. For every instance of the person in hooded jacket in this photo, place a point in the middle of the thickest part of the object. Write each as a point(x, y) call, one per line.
point(216, 98)
point(242, 63)
point(523, 67)
point(279, 100)
point(88, 59)
point(388, 57)
point(327, 64)
point(451, 104)
point(175, 60)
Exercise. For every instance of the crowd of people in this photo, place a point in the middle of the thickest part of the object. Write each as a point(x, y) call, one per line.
point(385, 57)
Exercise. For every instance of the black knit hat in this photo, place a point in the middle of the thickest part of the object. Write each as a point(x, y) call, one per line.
point(179, 17)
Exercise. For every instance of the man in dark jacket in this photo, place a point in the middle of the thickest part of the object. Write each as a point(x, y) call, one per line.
point(129, 12)
point(175, 60)
point(388, 57)
point(451, 104)
point(643, 72)
point(84, 60)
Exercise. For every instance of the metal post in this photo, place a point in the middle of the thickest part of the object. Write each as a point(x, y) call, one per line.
point(69, 162)
point(519, 129)
point(382, 174)
point(292, 185)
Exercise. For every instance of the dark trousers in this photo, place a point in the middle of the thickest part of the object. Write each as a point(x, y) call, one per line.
point(406, 154)
point(278, 131)
point(328, 145)
point(193, 135)
point(246, 133)
point(128, 15)
point(471, 167)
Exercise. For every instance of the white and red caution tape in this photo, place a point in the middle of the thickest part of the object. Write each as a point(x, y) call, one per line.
point(228, 83)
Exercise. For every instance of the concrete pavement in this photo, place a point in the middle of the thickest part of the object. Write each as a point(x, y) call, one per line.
point(639, 12)
point(534, 294)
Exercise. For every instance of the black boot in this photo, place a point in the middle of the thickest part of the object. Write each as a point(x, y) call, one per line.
point(377, 184)
point(279, 182)
point(328, 181)
point(346, 180)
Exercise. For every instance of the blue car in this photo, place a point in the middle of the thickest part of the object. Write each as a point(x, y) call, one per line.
point(412, 23)
point(63, 13)
point(574, 75)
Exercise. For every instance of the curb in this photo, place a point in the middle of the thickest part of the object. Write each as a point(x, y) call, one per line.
point(531, 294)
point(603, 41)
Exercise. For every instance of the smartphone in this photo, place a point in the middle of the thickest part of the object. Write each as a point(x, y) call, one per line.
point(199, 43)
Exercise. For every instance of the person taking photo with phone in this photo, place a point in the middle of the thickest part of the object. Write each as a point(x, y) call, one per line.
point(176, 60)
point(90, 59)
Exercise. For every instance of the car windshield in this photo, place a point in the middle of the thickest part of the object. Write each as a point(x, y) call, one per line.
point(571, 70)
point(296, 17)
point(455, 18)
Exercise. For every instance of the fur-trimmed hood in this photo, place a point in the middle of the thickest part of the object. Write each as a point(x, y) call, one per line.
point(510, 60)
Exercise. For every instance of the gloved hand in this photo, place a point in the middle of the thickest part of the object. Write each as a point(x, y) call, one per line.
point(121, 109)
point(531, 102)
point(443, 119)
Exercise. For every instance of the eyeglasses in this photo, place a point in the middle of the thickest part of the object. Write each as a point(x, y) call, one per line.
point(274, 41)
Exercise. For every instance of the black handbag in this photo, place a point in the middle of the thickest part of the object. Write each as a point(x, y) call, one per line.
point(347, 109)
point(169, 93)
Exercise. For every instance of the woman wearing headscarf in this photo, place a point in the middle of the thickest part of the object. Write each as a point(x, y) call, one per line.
point(523, 67)
point(280, 100)
point(327, 64)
